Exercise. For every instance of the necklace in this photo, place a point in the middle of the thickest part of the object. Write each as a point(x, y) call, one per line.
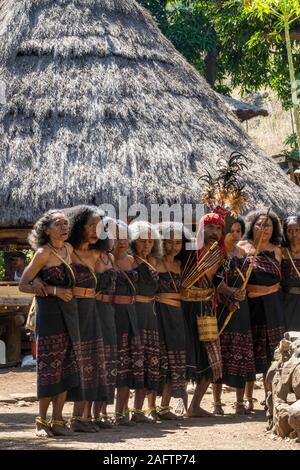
point(105, 262)
point(57, 250)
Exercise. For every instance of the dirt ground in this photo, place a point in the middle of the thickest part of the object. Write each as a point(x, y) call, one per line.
point(216, 433)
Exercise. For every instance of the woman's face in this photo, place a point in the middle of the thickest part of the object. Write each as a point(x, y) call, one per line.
point(58, 230)
point(144, 246)
point(265, 225)
point(90, 234)
point(121, 243)
point(172, 246)
point(236, 232)
point(293, 233)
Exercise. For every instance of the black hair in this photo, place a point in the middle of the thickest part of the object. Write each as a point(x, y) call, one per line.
point(253, 217)
point(291, 218)
point(167, 228)
point(79, 216)
point(239, 220)
point(38, 236)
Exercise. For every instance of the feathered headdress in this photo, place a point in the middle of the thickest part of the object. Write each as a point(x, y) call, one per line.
point(224, 193)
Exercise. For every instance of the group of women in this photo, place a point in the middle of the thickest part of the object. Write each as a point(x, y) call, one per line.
point(111, 316)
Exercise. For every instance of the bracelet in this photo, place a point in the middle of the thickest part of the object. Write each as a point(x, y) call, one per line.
point(54, 290)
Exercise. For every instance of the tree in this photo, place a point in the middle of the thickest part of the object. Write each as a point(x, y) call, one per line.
point(286, 12)
point(224, 40)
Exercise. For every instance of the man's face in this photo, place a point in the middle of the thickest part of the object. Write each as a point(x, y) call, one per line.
point(212, 233)
point(17, 262)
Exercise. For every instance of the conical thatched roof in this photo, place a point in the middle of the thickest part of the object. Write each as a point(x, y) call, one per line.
point(100, 104)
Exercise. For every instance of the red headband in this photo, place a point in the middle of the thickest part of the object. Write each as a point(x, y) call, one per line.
point(215, 219)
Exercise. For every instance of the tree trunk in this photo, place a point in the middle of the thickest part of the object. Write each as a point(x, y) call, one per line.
point(211, 66)
point(292, 80)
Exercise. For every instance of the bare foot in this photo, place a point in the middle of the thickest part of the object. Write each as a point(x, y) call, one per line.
point(198, 413)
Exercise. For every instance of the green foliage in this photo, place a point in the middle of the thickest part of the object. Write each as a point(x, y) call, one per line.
point(250, 48)
point(292, 144)
point(1, 265)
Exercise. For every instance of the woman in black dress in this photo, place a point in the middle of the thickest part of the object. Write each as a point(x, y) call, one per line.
point(264, 296)
point(106, 287)
point(145, 244)
point(57, 324)
point(83, 237)
point(170, 320)
point(130, 358)
point(236, 339)
point(290, 269)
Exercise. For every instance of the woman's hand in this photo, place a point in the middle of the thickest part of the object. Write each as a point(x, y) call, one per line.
point(39, 287)
point(64, 294)
point(238, 295)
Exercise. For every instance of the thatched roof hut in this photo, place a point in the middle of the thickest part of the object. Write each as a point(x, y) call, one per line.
point(100, 104)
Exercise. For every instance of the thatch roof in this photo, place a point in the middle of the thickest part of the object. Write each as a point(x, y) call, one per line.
point(244, 110)
point(100, 104)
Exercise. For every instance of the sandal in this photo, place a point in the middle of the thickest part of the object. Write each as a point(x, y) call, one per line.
point(138, 416)
point(79, 424)
point(102, 423)
point(123, 420)
point(42, 428)
point(218, 410)
point(59, 427)
point(152, 414)
point(165, 413)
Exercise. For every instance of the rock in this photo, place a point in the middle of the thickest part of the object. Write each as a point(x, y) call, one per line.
point(294, 417)
point(24, 397)
point(22, 403)
point(8, 399)
point(296, 381)
point(281, 420)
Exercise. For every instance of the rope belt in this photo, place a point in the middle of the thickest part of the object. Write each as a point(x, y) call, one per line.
point(169, 298)
point(259, 291)
point(292, 290)
point(84, 293)
point(144, 299)
point(124, 299)
point(105, 297)
point(197, 294)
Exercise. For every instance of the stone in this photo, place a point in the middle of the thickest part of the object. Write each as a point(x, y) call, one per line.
point(296, 381)
point(294, 418)
point(24, 397)
point(281, 426)
point(7, 399)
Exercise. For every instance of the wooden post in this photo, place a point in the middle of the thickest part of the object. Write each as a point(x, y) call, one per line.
point(13, 340)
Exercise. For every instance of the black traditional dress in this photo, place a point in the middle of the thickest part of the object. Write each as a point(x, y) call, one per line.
point(130, 364)
point(94, 386)
point(266, 311)
point(146, 286)
point(291, 293)
point(172, 337)
point(106, 312)
point(57, 334)
point(237, 354)
point(203, 358)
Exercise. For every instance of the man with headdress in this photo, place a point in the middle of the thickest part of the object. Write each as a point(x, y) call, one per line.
point(199, 303)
